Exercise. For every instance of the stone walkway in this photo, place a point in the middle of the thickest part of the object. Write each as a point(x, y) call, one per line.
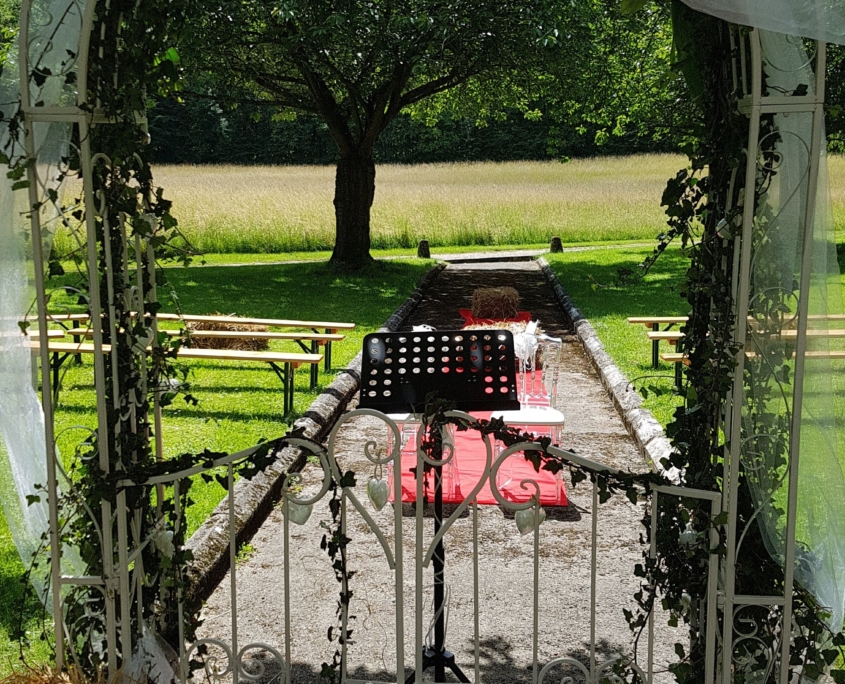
point(593, 429)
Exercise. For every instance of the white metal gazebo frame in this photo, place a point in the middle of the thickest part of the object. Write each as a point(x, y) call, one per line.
point(116, 582)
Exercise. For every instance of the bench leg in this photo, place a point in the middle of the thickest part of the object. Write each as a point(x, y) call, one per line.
point(655, 355)
point(289, 388)
point(78, 358)
point(56, 365)
point(328, 358)
point(315, 349)
point(678, 375)
point(286, 376)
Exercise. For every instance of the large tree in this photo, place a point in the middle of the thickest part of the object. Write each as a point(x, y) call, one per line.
point(358, 63)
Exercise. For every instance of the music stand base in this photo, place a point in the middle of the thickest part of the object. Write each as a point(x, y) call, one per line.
point(439, 660)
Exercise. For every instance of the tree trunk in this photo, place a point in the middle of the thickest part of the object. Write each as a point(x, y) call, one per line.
point(354, 189)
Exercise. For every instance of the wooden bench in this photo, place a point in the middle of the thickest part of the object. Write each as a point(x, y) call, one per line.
point(680, 359)
point(656, 335)
point(61, 351)
point(653, 323)
point(316, 339)
point(331, 330)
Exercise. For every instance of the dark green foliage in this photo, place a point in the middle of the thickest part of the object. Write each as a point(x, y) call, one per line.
point(708, 232)
point(199, 131)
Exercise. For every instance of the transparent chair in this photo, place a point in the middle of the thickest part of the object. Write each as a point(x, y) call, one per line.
point(409, 426)
point(537, 389)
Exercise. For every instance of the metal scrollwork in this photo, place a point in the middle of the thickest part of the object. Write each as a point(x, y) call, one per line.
point(219, 664)
point(754, 646)
point(605, 671)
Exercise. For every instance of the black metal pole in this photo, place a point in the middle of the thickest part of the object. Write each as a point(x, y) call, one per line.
point(438, 563)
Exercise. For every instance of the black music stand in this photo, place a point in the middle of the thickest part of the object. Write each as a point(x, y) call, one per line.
point(476, 369)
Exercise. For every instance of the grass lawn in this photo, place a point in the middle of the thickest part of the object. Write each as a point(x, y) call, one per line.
point(239, 403)
point(588, 276)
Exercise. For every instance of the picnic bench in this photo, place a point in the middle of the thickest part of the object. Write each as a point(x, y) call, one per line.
point(315, 338)
point(282, 363)
point(653, 323)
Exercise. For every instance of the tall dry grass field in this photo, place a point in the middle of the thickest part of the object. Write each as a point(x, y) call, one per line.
point(279, 209)
point(275, 209)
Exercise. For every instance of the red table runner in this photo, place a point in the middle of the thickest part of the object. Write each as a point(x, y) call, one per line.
point(470, 460)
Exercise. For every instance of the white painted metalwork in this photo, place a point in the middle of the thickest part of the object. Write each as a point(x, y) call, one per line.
point(45, 105)
point(229, 661)
point(757, 76)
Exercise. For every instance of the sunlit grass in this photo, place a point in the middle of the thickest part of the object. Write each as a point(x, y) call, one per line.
point(263, 209)
point(588, 277)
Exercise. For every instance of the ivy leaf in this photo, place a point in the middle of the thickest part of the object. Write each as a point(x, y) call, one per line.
point(830, 655)
point(348, 479)
point(577, 476)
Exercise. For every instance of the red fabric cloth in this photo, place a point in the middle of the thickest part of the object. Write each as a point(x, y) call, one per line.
point(470, 459)
point(469, 319)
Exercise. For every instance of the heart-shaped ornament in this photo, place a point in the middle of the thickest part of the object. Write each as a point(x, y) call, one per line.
point(378, 492)
point(525, 519)
point(298, 513)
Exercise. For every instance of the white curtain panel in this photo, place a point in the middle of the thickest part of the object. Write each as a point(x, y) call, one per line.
point(819, 19)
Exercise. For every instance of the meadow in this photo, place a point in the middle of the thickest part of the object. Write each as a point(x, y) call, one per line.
point(261, 209)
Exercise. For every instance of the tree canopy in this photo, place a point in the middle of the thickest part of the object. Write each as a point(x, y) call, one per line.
point(357, 64)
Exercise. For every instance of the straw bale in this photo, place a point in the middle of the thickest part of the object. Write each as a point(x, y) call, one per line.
point(237, 343)
point(495, 303)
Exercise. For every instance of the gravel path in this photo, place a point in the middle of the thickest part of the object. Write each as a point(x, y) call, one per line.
point(593, 429)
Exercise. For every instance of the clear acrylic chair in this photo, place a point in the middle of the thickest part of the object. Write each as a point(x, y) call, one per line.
point(409, 425)
point(541, 383)
point(537, 382)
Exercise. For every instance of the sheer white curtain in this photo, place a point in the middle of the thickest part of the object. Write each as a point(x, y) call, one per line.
point(820, 19)
point(52, 44)
point(776, 264)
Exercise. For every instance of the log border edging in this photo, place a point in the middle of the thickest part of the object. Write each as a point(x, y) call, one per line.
point(643, 427)
point(255, 498)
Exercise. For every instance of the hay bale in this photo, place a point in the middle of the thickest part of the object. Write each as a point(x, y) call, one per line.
point(237, 343)
point(495, 303)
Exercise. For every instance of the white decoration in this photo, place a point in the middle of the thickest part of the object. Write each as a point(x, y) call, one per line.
point(298, 513)
point(525, 519)
point(378, 492)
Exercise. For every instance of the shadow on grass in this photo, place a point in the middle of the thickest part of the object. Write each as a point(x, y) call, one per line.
point(16, 611)
point(591, 279)
point(303, 291)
